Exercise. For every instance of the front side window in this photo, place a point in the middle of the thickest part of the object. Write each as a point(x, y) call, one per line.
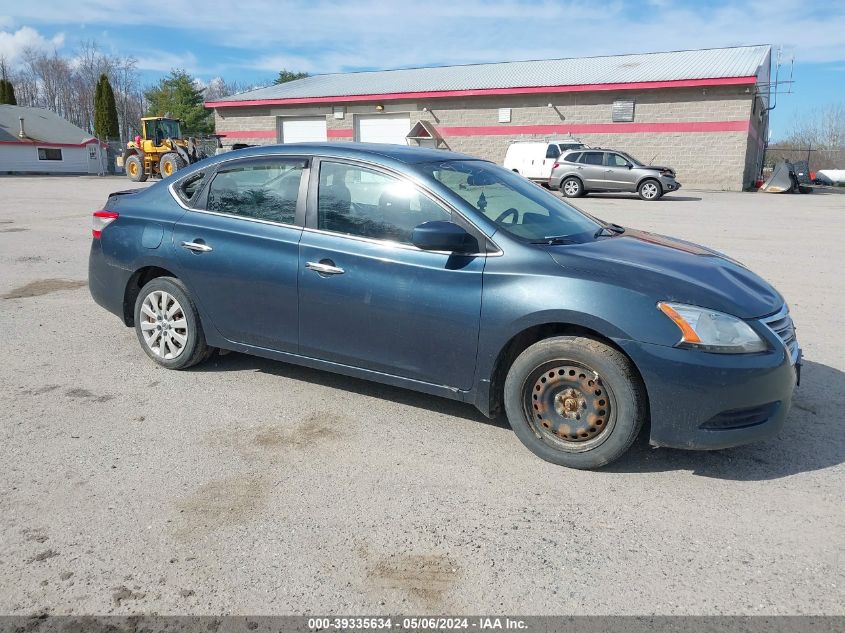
point(263, 191)
point(49, 153)
point(592, 158)
point(515, 204)
point(615, 160)
point(359, 201)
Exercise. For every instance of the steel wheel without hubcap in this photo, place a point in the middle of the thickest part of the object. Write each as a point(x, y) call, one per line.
point(650, 190)
point(568, 406)
point(163, 326)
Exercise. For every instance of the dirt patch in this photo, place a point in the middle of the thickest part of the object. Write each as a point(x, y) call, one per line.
point(13, 229)
point(317, 428)
point(42, 556)
point(43, 287)
point(29, 259)
point(424, 576)
point(40, 390)
point(87, 395)
point(225, 502)
point(35, 534)
point(122, 593)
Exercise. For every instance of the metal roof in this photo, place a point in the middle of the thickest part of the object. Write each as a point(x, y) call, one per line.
point(712, 63)
point(39, 125)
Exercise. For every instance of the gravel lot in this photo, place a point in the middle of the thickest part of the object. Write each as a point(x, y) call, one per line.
point(250, 486)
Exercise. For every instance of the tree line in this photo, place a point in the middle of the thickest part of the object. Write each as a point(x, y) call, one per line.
point(103, 95)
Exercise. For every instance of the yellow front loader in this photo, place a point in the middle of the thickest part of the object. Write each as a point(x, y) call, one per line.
point(159, 150)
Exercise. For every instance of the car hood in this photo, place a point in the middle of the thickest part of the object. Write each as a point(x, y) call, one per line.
point(672, 270)
point(656, 168)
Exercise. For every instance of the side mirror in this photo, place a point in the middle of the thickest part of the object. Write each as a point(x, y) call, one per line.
point(442, 236)
point(630, 166)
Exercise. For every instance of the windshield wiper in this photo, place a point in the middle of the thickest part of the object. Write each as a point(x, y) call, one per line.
point(609, 230)
point(555, 239)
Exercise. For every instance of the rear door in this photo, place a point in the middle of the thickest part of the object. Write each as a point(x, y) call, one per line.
point(239, 249)
point(368, 298)
point(618, 176)
point(591, 169)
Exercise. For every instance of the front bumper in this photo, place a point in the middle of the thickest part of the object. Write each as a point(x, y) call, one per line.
point(670, 184)
point(699, 400)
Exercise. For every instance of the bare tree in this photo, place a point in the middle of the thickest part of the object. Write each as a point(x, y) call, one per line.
point(819, 133)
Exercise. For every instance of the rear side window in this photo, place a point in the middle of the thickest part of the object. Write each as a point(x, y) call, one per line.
point(266, 191)
point(592, 158)
point(572, 157)
point(189, 187)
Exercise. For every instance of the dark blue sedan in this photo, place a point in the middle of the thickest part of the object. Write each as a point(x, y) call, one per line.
point(442, 273)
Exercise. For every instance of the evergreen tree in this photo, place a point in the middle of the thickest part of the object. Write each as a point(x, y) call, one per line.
point(178, 96)
point(286, 75)
point(7, 93)
point(112, 126)
point(100, 109)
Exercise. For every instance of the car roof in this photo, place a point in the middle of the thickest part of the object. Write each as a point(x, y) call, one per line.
point(400, 153)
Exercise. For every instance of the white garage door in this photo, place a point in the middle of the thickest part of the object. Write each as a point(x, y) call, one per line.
point(304, 130)
point(383, 128)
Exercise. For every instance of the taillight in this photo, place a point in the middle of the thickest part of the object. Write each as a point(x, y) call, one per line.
point(100, 221)
point(556, 165)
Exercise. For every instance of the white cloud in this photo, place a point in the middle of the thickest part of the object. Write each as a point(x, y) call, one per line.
point(165, 62)
point(14, 43)
point(334, 35)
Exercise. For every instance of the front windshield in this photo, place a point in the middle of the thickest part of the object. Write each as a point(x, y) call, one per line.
point(515, 204)
point(631, 158)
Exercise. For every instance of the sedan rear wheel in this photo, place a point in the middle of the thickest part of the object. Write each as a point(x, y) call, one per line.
point(168, 325)
point(574, 401)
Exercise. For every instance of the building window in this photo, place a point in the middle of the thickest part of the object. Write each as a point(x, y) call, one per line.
point(623, 110)
point(49, 153)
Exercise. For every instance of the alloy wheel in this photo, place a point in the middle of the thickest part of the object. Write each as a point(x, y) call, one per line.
point(571, 188)
point(650, 190)
point(164, 326)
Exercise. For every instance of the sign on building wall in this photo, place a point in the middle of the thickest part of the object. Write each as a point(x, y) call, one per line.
point(623, 110)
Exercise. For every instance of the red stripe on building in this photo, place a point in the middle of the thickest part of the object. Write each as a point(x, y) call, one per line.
point(484, 92)
point(563, 128)
point(249, 134)
point(596, 128)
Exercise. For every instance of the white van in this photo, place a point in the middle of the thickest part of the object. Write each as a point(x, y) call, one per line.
point(534, 159)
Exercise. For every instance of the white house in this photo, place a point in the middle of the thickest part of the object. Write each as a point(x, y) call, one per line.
point(33, 140)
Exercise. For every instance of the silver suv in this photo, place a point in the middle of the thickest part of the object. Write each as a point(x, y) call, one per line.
point(579, 172)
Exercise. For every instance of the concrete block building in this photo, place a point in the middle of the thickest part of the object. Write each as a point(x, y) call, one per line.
point(703, 112)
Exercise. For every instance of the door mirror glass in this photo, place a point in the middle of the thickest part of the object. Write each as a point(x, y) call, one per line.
point(443, 236)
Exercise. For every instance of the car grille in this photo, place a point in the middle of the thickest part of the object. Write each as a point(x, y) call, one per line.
point(781, 324)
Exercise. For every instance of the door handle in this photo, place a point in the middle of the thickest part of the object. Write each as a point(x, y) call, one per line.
point(607, 171)
point(197, 248)
point(324, 269)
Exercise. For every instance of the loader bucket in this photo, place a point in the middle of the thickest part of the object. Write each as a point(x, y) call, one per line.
point(781, 180)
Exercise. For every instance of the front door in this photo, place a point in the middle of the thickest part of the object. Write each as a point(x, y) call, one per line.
point(239, 252)
point(369, 298)
point(619, 176)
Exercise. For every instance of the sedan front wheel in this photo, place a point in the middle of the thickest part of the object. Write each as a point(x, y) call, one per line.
point(574, 401)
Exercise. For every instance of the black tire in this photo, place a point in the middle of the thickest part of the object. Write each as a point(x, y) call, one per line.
point(169, 164)
point(195, 349)
point(540, 375)
point(572, 187)
point(134, 167)
point(646, 191)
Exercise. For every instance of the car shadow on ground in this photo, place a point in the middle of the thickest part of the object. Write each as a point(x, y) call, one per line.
point(811, 439)
point(632, 196)
point(406, 397)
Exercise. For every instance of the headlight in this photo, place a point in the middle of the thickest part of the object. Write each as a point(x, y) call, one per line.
point(712, 331)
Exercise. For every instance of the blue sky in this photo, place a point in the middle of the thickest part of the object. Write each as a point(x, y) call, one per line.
point(249, 40)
